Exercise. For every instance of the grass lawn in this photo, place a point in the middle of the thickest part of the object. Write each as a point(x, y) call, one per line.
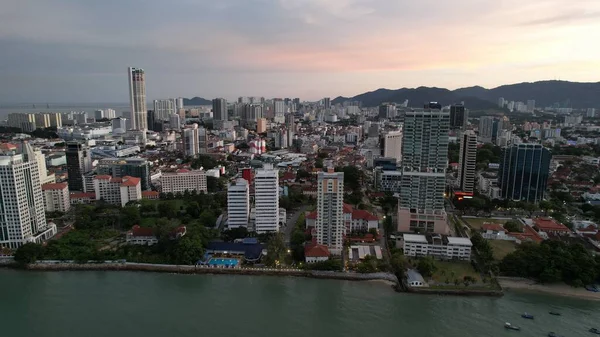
point(148, 222)
point(502, 248)
point(477, 223)
point(454, 270)
point(178, 202)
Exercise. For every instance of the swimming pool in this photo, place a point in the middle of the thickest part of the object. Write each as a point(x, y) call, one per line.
point(223, 262)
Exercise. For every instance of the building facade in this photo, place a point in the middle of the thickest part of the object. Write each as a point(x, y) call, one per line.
point(219, 107)
point(330, 226)
point(137, 99)
point(467, 162)
point(117, 191)
point(238, 204)
point(458, 116)
point(119, 168)
point(439, 246)
point(163, 109)
point(79, 162)
point(524, 170)
point(392, 145)
point(22, 212)
point(189, 140)
point(183, 180)
point(424, 163)
point(266, 199)
point(56, 197)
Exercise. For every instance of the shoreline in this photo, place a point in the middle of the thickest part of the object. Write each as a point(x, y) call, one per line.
point(563, 290)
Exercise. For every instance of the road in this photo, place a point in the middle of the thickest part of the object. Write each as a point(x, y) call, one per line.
point(291, 222)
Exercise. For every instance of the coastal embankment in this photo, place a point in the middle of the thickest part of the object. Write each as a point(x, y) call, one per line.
point(456, 292)
point(191, 269)
point(510, 284)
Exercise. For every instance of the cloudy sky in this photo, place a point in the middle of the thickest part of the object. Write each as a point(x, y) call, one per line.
point(79, 50)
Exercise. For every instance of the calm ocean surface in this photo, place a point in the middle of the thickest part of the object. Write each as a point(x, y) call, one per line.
point(74, 304)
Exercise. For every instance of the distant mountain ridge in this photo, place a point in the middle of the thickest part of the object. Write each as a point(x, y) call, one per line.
point(196, 101)
point(545, 93)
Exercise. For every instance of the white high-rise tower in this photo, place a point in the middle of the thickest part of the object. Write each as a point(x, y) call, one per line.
point(22, 213)
point(467, 161)
point(137, 99)
point(330, 211)
point(266, 199)
point(238, 204)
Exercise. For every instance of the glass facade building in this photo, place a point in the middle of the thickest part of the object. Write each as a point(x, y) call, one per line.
point(524, 171)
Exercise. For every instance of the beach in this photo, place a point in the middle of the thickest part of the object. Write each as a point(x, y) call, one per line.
point(519, 284)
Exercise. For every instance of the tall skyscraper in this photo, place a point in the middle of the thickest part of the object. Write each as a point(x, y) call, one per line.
point(22, 216)
point(330, 226)
point(266, 199)
point(163, 109)
point(489, 128)
point(189, 140)
point(219, 107)
point(387, 110)
point(423, 167)
point(326, 103)
point(467, 161)
point(524, 170)
point(202, 140)
point(179, 103)
point(137, 99)
point(79, 162)
point(458, 116)
point(238, 204)
point(278, 106)
point(391, 144)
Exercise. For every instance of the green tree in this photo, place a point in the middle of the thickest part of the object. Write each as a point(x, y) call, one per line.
point(167, 209)
point(302, 174)
point(276, 250)
point(426, 266)
point(29, 253)
point(130, 216)
point(512, 226)
point(208, 218)
point(188, 250)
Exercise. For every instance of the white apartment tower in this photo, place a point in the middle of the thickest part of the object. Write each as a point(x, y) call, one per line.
point(22, 215)
point(467, 161)
point(423, 168)
point(266, 199)
point(163, 109)
point(56, 197)
point(183, 180)
point(137, 99)
point(189, 140)
point(392, 145)
point(330, 211)
point(238, 204)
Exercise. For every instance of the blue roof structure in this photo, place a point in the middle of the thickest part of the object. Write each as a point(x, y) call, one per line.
point(251, 251)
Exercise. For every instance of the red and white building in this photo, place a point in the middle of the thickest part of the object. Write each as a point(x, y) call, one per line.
point(118, 191)
point(550, 226)
point(56, 197)
point(355, 220)
point(145, 236)
point(183, 180)
point(82, 198)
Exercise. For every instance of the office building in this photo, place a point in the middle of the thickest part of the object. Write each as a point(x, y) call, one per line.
point(330, 226)
point(238, 204)
point(391, 145)
point(117, 191)
point(119, 126)
point(23, 121)
point(326, 103)
point(202, 140)
point(279, 106)
point(423, 166)
point(175, 122)
point(79, 161)
point(137, 98)
point(189, 140)
point(56, 197)
point(266, 199)
point(523, 174)
point(251, 114)
point(163, 109)
point(467, 162)
point(219, 107)
point(122, 167)
point(183, 180)
point(458, 116)
point(23, 218)
point(489, 129)
point(387, 110)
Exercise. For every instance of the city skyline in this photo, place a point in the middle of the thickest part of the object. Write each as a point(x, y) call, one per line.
point(289, 48)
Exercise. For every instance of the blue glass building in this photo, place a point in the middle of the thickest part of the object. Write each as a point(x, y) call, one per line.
point(524, 171)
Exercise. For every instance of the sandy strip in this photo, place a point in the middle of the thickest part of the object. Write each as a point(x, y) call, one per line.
point(554, 289)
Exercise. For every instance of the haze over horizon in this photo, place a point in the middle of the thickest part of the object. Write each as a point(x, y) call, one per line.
point(288, 48)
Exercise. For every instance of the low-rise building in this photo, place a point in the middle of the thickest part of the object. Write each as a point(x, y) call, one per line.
point(315, 253)
point(494, 231)
point(56, 197)
point(355, 220)
point(550, 226)
point(183, 180)
point(439, 246)
point(82, 198)
point(118, 191)
point(150, 195)
point(145, 236)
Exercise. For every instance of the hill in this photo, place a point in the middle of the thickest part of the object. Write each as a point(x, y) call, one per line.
point(545, 93)
point(196, 101)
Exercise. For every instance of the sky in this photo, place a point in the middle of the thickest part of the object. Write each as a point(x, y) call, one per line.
point(79, 50)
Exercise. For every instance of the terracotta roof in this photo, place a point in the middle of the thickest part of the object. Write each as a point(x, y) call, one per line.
point(55, 186)
point(549, 224)
point(182, 171)
point(288, 176)
point(363, 215)
point(130, 181)
point(311, 215)
point(493, 227)
point(347, 208)
point(141, 231)
point(150, 193)
point(78, 195)
point(7, 146)
point(316, 251)
point(103, 177)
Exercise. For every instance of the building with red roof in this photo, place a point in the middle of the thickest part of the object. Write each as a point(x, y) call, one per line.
point(151, 195)
point(550, 226)
point(56, 197)
point(82, 198)
point(118, 191)
point(314, 252)
point(355, 220)
point(145, 236)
